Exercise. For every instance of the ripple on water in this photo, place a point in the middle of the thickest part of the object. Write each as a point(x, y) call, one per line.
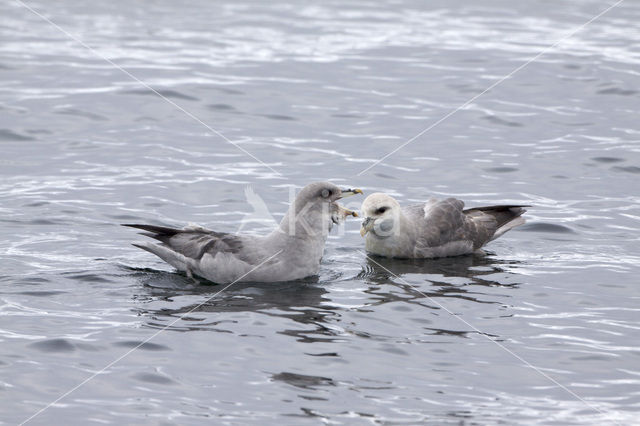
point(628, 169)
point(221, 107)
point(156, 378)
point(303, 381)
point(79, 113)
point(384, 176)
point(553, 228)
point(364, 342)
point(91, 278)
point(617, 91)
point(278, 117)
point(501, 121)
point(9, 135)
point(167, 93)
point(54, 345)
point(33, 280)
point(501, 169)
point(43, 293)
point(48, 222)
point(145, 346)
point(607, 159)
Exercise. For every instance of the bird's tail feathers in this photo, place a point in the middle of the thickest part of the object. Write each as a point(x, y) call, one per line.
point(160, 233)
point(154, 229)
point(508, 226)
point(506, 217)
point(173, 258)
point(502, 214)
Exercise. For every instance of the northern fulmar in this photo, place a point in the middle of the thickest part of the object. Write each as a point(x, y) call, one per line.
point(437, 228)
point(292, 251)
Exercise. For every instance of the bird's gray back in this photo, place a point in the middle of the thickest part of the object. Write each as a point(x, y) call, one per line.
point(441, 222)
point(437, 221)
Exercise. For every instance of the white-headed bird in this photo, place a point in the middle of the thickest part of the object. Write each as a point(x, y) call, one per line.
point(437, 228)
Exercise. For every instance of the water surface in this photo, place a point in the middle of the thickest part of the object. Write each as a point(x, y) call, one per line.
point(543, 329)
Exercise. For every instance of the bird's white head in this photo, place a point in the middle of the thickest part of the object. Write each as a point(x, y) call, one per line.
point(380, 214)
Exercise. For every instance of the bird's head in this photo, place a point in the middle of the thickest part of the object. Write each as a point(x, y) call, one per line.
point(323, 192)
point(316, 208)
point(380, 213)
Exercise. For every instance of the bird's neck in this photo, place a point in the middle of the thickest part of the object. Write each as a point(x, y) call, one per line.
point(397, 226)
point(306, 223)
point(403, 224)
point(394, 243)
point(400, 223)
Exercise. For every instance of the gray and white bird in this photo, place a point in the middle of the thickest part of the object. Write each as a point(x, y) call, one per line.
point(437, 228)
point(292, 251)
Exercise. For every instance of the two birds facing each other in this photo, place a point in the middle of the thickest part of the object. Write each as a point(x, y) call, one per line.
point(437, 228)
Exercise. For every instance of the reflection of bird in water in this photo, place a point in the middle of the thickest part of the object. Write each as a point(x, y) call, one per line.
point(472, 266)
point(240, 297)
point(303, 302)
point(447, 277)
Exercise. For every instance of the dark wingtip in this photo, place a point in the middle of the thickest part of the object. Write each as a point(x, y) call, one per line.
point(140, 246)
point(518, 209)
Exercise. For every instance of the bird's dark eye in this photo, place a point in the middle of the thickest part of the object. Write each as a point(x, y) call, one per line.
point(326, 193)
point(382, 210)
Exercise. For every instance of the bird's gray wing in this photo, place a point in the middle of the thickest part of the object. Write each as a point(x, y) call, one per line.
point(441, 222)
point(195, 242)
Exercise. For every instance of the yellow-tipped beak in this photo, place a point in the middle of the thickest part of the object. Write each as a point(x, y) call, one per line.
point(367, 225)
point(349, 192)
point(346, 212)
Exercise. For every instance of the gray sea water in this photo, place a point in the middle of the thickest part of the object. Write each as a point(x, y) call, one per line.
point(543, 329)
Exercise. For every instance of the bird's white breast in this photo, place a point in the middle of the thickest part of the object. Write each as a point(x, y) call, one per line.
point(391, 246)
